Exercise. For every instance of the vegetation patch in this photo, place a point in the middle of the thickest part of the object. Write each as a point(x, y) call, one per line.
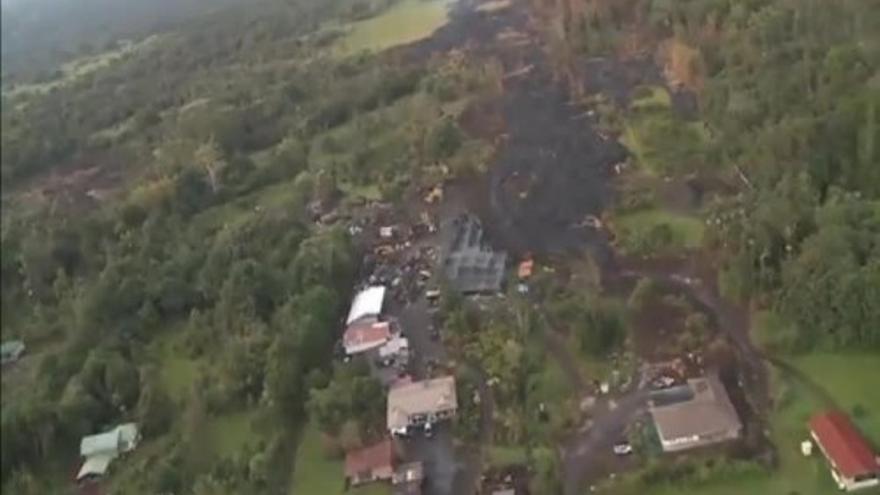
point(501, 456)
point(656, 231)
point(651, 98)
point(79, 68)
point(664, 144)
point(405, 22)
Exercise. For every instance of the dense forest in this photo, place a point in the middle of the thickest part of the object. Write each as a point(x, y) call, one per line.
point(789, 94)
point(228, 138)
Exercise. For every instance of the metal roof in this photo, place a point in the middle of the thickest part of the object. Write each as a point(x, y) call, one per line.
point(375, 456)
point(360, 336)
point(120, 439)
point(843, 445)
point(368, 302)
point(424, 397)
point(95, 465)
point(708, 411)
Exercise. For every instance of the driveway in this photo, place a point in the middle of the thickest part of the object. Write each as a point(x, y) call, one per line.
point(596, 438)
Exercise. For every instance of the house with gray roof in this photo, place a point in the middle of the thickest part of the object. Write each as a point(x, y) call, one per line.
point(694, 414)
point(413, 404)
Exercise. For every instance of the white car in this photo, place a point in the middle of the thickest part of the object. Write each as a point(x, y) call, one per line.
point(623, 448)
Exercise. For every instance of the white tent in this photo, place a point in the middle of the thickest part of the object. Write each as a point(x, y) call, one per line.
point(368, 302)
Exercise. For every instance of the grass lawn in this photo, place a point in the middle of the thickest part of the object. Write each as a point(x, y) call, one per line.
point(500, 456)
point(405, 22)
point(686, 231)
point(847, 379)
point(662, 143)
point(315, 473)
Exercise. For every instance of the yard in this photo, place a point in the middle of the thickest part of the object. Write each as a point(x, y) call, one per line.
point(315, 473)
point(843, 377)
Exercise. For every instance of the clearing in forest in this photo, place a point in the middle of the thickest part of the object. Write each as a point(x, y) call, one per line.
point(405, 22)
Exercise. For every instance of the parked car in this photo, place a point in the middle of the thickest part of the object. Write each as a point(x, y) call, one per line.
point(622, 448)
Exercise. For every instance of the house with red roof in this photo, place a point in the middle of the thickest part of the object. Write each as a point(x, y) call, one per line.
point(854, 465)
point(363, 336)
point(373, 463)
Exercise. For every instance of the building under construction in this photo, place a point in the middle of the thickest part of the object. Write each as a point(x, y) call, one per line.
point(471, 266)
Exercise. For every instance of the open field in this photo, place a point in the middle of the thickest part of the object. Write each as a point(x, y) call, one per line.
point(405, 22)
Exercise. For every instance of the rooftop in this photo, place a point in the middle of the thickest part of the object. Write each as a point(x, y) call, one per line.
point(122, 438)
point(701, 407)
point(380, 455)
point(424, 397)
point(842, 443)
point(366, 335)
point(367, 302)
point(470, 265)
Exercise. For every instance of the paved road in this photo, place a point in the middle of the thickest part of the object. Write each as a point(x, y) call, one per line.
point(446, 474)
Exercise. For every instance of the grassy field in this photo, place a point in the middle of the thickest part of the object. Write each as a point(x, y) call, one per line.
point(500, 456)
point(662, 142)
point(405, 22)
point(846, 378)
point(315, 473)
point(686, 231)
